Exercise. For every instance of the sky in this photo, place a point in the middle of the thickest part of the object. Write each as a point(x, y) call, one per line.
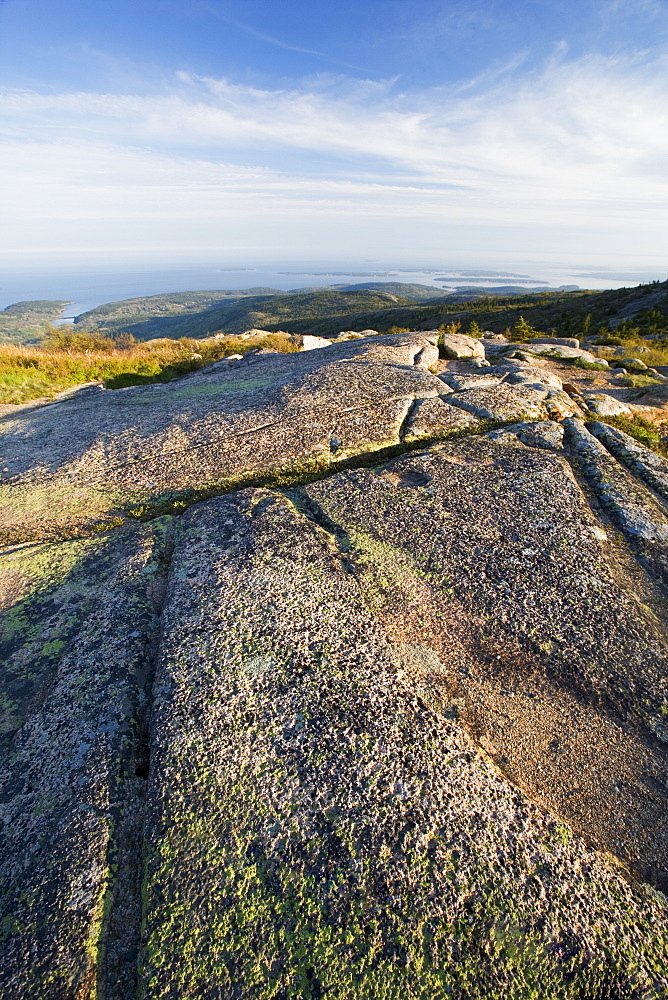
point(384, 130)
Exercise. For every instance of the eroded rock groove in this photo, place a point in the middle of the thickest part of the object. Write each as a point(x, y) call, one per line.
point(121, 930)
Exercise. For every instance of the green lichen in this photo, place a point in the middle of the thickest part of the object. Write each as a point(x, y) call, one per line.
point(271, 930)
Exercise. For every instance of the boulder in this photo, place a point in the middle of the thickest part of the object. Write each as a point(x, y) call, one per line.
point(436, 417)
point(221, 364)
point(310, 343)
point(650, 466)
point(629, 503)
point(560, 351)
point(604, 405)
point(458, 346)
point(563, 341)
point(520, 372)
point(355, 335)
point(631, 364)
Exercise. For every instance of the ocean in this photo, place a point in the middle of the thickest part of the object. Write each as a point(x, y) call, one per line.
point(87, 283)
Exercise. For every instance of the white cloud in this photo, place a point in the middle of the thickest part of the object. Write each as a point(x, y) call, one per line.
point(581, 147)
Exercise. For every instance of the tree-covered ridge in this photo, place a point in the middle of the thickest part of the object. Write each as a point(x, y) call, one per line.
point(113, 316)
point(404, 289)
point(239, 314)
point(27, 322)
point(638, 311)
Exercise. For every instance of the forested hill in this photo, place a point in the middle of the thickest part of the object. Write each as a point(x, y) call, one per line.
point(234, 315)
point(328, 311)
point(25, 322)
point(566, 313)
point(118, 317)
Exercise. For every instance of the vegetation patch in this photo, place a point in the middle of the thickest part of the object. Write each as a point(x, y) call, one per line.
point(68, 357)
point(642, 430)
point(640, 381)
point(586, 365)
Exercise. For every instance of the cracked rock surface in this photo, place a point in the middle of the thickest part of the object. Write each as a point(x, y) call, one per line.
point(391, 724)
point(87, 459)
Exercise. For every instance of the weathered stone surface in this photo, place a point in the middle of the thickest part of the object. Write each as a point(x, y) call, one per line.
point(560, 351)
point(485, 505)
point(434, 417)
point(77, 627)
point(387, 703)
point(515, 402)
point(511, 391)
point(535, 433)
point(563, 341)
point(629, 502)
point(604, 405)
point(456, 345)
point(519, 372)
point(455, 380)
point(315, 805)
point(647, 464)
point(503, 402)
point(221, 364)
point(310, 343)
point(102, 453)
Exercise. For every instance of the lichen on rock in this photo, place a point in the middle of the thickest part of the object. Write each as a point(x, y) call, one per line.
point(379, 711)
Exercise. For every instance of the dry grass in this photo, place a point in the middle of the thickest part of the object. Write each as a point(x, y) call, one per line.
point(66, 359)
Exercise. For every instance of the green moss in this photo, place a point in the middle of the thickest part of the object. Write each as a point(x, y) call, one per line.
point(640, 381)
point(581, 363)
point(36, 629)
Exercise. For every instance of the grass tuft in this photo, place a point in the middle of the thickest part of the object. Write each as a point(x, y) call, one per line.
point(642, 430)
point(66, 359)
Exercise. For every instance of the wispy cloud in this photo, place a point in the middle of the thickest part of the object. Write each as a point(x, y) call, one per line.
point(634, 8)
point(270, 40)
point(580, 146)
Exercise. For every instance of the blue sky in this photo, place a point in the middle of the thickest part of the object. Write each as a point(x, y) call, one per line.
point(405, 132)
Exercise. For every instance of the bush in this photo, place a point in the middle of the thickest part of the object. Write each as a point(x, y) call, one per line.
point(450, 329)
point(68, 338)
point(521, 330)
point(627, 330)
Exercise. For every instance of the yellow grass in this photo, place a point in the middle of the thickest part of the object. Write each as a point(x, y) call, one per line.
point(63, 361)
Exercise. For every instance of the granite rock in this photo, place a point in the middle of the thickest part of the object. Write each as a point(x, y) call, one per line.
point(456, 345)
point(390, 724)
point(97, 456)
